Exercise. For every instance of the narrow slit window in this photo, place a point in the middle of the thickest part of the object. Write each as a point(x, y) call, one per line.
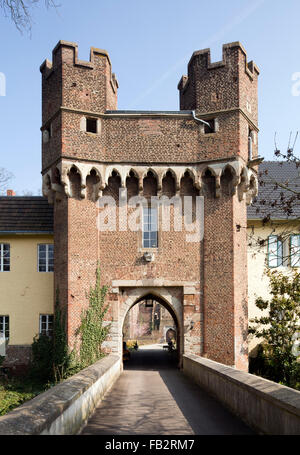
point(150, 227)
point(91, 125)
point(250, 144)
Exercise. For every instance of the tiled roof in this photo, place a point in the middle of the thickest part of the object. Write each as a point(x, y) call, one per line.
point(269, 199)
point(25, 214)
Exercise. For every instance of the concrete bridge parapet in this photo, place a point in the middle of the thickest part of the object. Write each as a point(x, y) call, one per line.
point(64, 409)
point(264, 405)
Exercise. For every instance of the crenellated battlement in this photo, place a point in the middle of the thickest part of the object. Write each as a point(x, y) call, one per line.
point(73, 83)
point(228, 50)
point(220, 86)
point(67, 52)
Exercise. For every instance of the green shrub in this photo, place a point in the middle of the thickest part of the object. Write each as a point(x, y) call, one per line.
point(41, 369)
point(52, 360)
point(279, 329)
point(93, 331)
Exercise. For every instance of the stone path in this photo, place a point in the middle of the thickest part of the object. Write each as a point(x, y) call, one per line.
point(152, 397)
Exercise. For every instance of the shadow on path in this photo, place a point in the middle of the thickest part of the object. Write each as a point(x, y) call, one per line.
point(152, 357)
point(153, 397)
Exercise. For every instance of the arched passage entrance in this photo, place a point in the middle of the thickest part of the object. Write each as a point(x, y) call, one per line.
point(166, 298)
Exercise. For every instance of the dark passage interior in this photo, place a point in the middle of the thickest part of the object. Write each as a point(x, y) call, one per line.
point(151, 337)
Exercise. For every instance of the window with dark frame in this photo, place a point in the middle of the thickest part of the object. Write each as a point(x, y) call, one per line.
point(284, 252)
point(4, 257)
point(275, 251)
point(46, 258)
point(46, 324)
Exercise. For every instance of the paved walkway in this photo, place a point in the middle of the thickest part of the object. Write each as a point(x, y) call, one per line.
point(153, 397)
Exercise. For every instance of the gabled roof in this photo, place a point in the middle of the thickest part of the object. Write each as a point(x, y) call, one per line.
point(271, 196)
point(25, 214)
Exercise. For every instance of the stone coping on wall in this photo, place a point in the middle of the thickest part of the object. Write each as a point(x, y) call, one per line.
point(268, 407)
point(149, 282)
point(56, 411)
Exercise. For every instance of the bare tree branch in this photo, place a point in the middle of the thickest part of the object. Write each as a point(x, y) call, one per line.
point(5, 177)
point(278, 202)
point(19, 11)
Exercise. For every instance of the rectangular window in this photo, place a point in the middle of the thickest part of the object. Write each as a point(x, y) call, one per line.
point(295, 250)
point(4, 257)
point(46, 258)
point(46, 324)
point(4, 326)
point(210, 128)
point(150, 227)
point(91, 125)
point(275, 251)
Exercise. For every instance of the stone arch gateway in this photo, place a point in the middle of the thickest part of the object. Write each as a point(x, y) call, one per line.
point(168, 297)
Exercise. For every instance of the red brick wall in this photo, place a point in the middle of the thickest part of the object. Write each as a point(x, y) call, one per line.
point(216, 311)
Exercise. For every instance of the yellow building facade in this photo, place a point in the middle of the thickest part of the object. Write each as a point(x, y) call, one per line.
point(26, 293)
point(26, 275)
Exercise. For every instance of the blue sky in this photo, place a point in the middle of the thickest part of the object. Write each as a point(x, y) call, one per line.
point(149, 44)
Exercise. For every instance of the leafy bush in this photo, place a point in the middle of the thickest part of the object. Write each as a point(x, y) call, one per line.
point(41, 368)
point(93, 330)
point(14, 392)
point(52, 360)
point(10, 400)
point(280, 330)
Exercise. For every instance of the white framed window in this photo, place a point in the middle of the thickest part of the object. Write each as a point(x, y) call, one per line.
point(275, 251)
point(46, 324)
point(150, 227)
point(4, 257)
point(4, 327)
point(46, 258)
point(295, 250)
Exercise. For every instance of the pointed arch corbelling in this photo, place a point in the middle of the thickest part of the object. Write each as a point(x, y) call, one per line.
point(94, 184)
point(154, 172)
point(240, 172)
point(170, 184)
point(76, 186)
point(151, 183)
point(109, 173)
point(191, 173)
point(133, 183)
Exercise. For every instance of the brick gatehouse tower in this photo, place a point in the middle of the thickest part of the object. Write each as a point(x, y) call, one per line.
point(206, 150)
